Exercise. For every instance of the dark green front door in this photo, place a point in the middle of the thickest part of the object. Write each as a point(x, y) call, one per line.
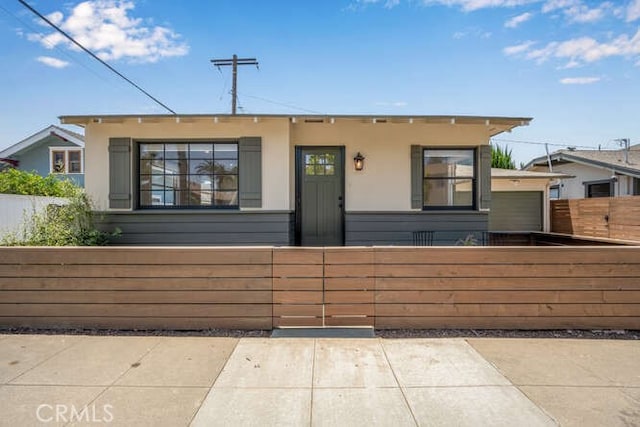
point(320, 196)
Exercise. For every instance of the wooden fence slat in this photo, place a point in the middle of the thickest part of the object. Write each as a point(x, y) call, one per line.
point(135, 310)
point(137, 297)
point(160, 271)
point(138, 283)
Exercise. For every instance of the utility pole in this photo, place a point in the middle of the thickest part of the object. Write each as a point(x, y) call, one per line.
point(625, 143)
point(234, 62)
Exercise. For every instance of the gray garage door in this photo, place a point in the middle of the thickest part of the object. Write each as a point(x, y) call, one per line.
point(516, 211)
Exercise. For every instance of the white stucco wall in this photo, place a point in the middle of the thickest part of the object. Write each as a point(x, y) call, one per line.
point(383, 185)
point(573, 188)
point(16, 210)
point(385, 182)
point(275, 151)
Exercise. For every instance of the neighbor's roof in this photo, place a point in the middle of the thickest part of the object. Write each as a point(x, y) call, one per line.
point(612, 160)
point(497, 124)
point(520, 174)
point(63, 134)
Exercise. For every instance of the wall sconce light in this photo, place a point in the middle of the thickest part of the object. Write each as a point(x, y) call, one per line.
point(358, 161)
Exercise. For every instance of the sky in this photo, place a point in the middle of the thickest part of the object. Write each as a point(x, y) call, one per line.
point(572, 65)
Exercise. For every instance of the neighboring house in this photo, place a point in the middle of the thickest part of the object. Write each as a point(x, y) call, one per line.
point(51, 150)
point(280, 179)
point(520, 200)
point(595, 173)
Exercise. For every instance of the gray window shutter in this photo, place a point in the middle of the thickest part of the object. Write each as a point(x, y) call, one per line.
point(416, 177)
point(250, 172)
point(484, 171)
point(120, 173)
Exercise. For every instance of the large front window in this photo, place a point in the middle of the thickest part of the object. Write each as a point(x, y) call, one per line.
point(449, 179)
point(187, 175)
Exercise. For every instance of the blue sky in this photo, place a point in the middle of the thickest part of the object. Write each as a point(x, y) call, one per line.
point(572, 65)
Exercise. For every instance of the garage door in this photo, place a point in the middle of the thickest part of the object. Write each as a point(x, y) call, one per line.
point(516, 211)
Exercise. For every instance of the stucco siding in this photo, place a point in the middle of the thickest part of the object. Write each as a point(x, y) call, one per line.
point(573, 188)
point(385, 182)
point(275, 151)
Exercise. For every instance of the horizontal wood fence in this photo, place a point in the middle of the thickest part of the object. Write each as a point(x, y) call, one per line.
point(524, 287)
point(604, 217)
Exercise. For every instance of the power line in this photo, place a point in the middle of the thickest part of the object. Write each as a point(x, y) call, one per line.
point(282, 104)
point(234, 62)
point(52, 46)
point(542, 143)
point(61, 31)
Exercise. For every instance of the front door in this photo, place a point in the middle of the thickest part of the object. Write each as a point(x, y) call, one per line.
point(320, 196)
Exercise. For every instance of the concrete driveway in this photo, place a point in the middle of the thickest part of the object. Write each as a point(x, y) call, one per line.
point(203, 381)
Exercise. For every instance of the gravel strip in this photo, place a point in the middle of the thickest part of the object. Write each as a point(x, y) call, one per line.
point(381, 333)
point(508, 333)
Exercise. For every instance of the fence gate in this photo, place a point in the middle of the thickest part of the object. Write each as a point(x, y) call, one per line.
point(323, 287)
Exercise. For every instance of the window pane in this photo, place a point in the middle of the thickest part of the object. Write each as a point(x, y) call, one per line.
point(329, 170)
point(225, 151)
point(155, 167)
point(200, 182)
point(448, 163)
point(309, 170)
point(200, 151)
point(175, 151)
point(74, 162)
point(145, 182)
point(201, 166)
point(319, 169)
point(186, 174)
point(225, 167)
point(57, 162)
point(176, 166)
point(151, 151)
point(226, 182)
point(448, 192)
point(225, 198)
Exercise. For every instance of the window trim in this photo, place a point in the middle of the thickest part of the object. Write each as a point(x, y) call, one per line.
point(136, 171)
point(66, 151)
point(612, 190)
point(474, 179)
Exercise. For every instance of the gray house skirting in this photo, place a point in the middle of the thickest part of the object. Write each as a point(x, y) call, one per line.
point(396, 228)
point(200, 228)
point(233, 228)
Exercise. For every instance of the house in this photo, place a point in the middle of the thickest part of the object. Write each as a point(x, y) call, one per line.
point(595, 173)
point(52, 150)
point(308, 180)
point(520, 200)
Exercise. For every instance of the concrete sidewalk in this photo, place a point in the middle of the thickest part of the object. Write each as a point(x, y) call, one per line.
point(201, 381)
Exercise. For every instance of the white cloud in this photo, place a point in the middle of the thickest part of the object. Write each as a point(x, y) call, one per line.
point(633, 10)
point(105, 28)
point(552, 5)
point(578, 11)
point(517, 49)
point(398, 104)
point(517, 20)
point(387, 4)
point(471, 5)
point(52, 62)
point(579, 80)
point(579, 51)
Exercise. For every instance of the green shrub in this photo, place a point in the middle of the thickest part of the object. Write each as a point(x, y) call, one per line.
point(14, 181)
point(502, 157)
point(70, 224)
